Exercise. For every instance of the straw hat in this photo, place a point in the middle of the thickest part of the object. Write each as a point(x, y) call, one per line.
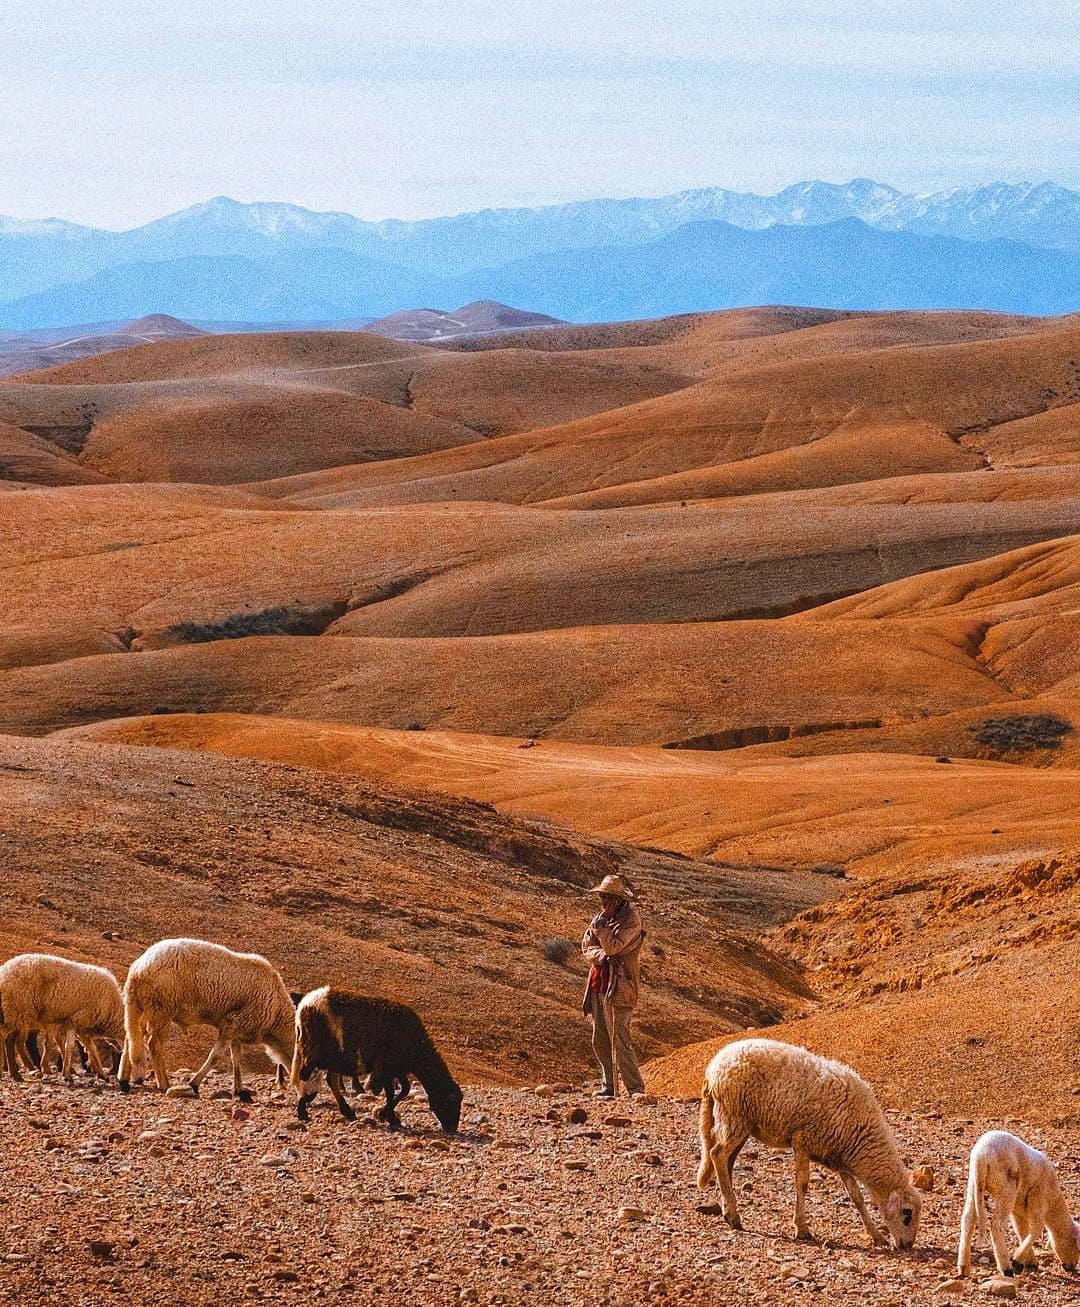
point(615, 886)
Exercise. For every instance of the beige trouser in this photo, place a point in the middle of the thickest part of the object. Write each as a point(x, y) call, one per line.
point(611, 1036)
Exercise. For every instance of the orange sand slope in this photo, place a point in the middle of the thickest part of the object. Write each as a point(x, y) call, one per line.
point(865, 812)
point(786, 420)
point(953, 988)
point(693, 407)
point(169, 564)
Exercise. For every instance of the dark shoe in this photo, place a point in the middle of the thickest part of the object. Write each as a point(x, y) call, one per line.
point(604, 1093)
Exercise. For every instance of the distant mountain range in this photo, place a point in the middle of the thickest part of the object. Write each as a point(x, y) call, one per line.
point(863, 244)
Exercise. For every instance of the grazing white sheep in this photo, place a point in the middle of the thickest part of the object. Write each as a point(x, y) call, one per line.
point(788, 1097)
point(1023, 1186)
point(64, 1000)
point(196, 983)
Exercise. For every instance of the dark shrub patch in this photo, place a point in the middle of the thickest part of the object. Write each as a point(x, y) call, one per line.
point(558, 950)
point(1021, 731)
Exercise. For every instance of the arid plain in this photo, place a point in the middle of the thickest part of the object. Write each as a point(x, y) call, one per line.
point(372, 656)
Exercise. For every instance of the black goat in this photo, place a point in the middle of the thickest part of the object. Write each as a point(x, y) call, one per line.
point(346, 1034)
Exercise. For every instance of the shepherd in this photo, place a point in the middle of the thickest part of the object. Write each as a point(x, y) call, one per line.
point(612, 944)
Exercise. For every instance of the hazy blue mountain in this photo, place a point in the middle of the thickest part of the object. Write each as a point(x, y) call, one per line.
point(698, 266)
point(310, 285)
point(38, 255)
point(846, 264)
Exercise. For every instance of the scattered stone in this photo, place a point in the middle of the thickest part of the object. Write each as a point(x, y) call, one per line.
point(578, 1116)
point(709, 1209)
point(923, 1178)
point(948, 1288)
point(575, 1164)
point(617, 1121)
point(275, 1159)
point(103, 1250)
point(631, 1215)
point(999, 1286)
point(179, 1091)
point(286, 1276)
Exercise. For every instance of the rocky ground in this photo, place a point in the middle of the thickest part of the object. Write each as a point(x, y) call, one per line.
point(151, 1200)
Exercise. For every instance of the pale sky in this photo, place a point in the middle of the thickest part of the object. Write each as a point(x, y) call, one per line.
point(113, 112)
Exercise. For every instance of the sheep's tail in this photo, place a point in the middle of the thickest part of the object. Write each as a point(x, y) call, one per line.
point(707, 1128)
point(975, 1187)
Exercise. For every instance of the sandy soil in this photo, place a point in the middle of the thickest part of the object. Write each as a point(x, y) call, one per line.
point(176, 1201)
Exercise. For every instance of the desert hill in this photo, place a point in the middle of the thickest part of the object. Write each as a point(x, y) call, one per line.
point(169, 564)
point(871, 815)
point(479, 318)
point(948, 970)
point(756, 423)
point(777, 609)
point(446, 905)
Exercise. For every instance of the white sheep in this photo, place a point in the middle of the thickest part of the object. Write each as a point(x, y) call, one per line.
point(196, 983)
point(63, 1000)
point(1023, 1186)
point(788, 1097)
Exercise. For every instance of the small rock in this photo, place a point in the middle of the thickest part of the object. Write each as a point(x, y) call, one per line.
point(923, 1178)
point(274, 1159)
point(179, 1091)
point(286, 1276)
point(402, 1197)
point(16, 1257)
point(709, 1209)
point(220, 1095)
point(240, 1114)
point(999, 1286)
point(576, 1165)
point(616, 1120)
point(947, 1288)
point(543, 1091)
point(577, 1116)
point(102, 1249)
point(631, 1215)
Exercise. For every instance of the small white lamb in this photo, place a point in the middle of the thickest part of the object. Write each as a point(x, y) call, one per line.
point(788, 1097)
point(1023, 1186)
point(196, 983)
point(63, 1000)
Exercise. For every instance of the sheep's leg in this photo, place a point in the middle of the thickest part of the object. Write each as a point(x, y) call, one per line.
point(802, 1183)
point(388, 1114)
point(10, 1059)
point(1029, 1225)
point(855, 1194)
point(967, 1230)
point(723, 1154)
point(337, 1088)
point(67, 1052)
point(155, 1046)
point(20, 1045)
point(999, 1228)
point(239, 1092)
point(217, 1050)
point(92, 1055)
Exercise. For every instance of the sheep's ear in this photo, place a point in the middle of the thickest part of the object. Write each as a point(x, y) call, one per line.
point(892, 1206)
